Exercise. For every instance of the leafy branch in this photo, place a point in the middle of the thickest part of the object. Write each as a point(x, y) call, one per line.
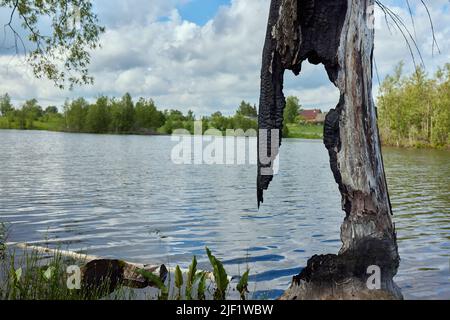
point(63, 55)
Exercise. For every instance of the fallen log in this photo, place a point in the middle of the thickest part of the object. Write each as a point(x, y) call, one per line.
point(95, 270)
point(64, 253)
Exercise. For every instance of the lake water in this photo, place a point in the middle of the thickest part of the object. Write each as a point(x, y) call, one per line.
point(123, 197)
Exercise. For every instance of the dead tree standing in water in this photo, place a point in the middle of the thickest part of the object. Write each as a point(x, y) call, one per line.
point(339, 35)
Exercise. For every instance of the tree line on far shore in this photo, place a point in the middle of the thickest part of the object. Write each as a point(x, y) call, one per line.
point(121, 116)
point(414, 110)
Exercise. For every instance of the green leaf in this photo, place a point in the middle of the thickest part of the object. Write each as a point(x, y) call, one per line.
point(192, 271)
point(201, 286)
point(242, 286)
point(191, 277)
point(18, 274)
point(220, 276)
point(48, 273)
point(152, 278)
point(155, 280)
point(178, 277)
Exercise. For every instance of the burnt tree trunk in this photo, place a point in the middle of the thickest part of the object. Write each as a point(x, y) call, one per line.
point(338, 35)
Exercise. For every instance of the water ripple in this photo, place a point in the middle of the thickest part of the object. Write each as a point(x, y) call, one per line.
point(120, 196)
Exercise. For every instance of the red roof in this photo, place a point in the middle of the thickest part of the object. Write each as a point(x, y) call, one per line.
point(310, 115)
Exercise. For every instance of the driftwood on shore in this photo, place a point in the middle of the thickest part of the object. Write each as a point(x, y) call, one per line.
point(95, 271)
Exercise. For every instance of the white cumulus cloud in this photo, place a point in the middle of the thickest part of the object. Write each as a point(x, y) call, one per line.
point(150, 51)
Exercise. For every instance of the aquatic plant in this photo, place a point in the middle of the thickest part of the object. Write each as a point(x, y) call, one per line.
point(178, 281)
point(3, 237)
point(242, 286)
point(191, 278)
point(220, 277)
point(158, 283)
point(33, 275)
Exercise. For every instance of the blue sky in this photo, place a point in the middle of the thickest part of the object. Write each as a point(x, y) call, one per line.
point(200, 11)
point(205, 55)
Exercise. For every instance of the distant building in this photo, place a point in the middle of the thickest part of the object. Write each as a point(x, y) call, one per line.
point(320, 119)
point(313, 116)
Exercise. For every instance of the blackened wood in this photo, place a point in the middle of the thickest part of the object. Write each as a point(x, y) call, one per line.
point(338, 35)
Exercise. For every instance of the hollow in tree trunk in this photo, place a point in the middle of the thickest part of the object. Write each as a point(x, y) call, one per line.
point(339, 35)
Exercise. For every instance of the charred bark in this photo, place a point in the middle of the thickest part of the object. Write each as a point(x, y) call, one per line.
point(338, 35)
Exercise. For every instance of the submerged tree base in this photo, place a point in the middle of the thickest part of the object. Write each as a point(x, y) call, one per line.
point(351, 275)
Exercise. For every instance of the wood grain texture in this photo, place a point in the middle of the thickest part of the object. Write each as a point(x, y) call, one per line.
point(338, 35)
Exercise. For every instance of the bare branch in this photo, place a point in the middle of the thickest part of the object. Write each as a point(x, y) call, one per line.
point(435, 43)
point(401, 26)
point(410, 39)
point(412, 18)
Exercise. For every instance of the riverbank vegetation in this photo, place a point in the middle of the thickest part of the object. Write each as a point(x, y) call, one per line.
point(33, 275)
point(124, 116)
point(305, 131)
point(119, 116)
point(3, 237)
point(414, 110)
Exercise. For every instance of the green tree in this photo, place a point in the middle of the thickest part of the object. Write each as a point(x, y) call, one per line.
point(389, 107)
point(218, 121)
point(147, 116)
point(122, 114)
point(51, 110)
point(143, 113)
point(20, 117)
point(441, 117)
point(292, 110)
point(175, 119)
point(175, 115)
point(127, 115)
point(98, 116)
point(190, 116)
point(414, 110)
point(32, 109)
point(75, 114)
point(60, 51)
point(247, 110)
point(5, 105)
point(31, 112)
point(52, 119)
point(244, 123)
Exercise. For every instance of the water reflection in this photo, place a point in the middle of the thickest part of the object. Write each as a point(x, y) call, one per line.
point(419, 183)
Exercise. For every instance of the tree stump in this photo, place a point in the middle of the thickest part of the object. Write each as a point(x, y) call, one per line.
point(338, 34)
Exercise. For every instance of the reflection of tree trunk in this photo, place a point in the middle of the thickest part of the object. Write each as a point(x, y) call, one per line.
point(337, 34)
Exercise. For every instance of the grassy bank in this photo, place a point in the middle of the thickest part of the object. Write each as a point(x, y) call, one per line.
point(411, 142)
point(305, 131)
point(50, 124)
point(35, 275)
point(297, 131)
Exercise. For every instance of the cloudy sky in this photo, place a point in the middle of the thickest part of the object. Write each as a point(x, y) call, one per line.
point(205, 55)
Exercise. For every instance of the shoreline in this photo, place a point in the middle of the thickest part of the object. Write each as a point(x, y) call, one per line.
point(157, 134)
